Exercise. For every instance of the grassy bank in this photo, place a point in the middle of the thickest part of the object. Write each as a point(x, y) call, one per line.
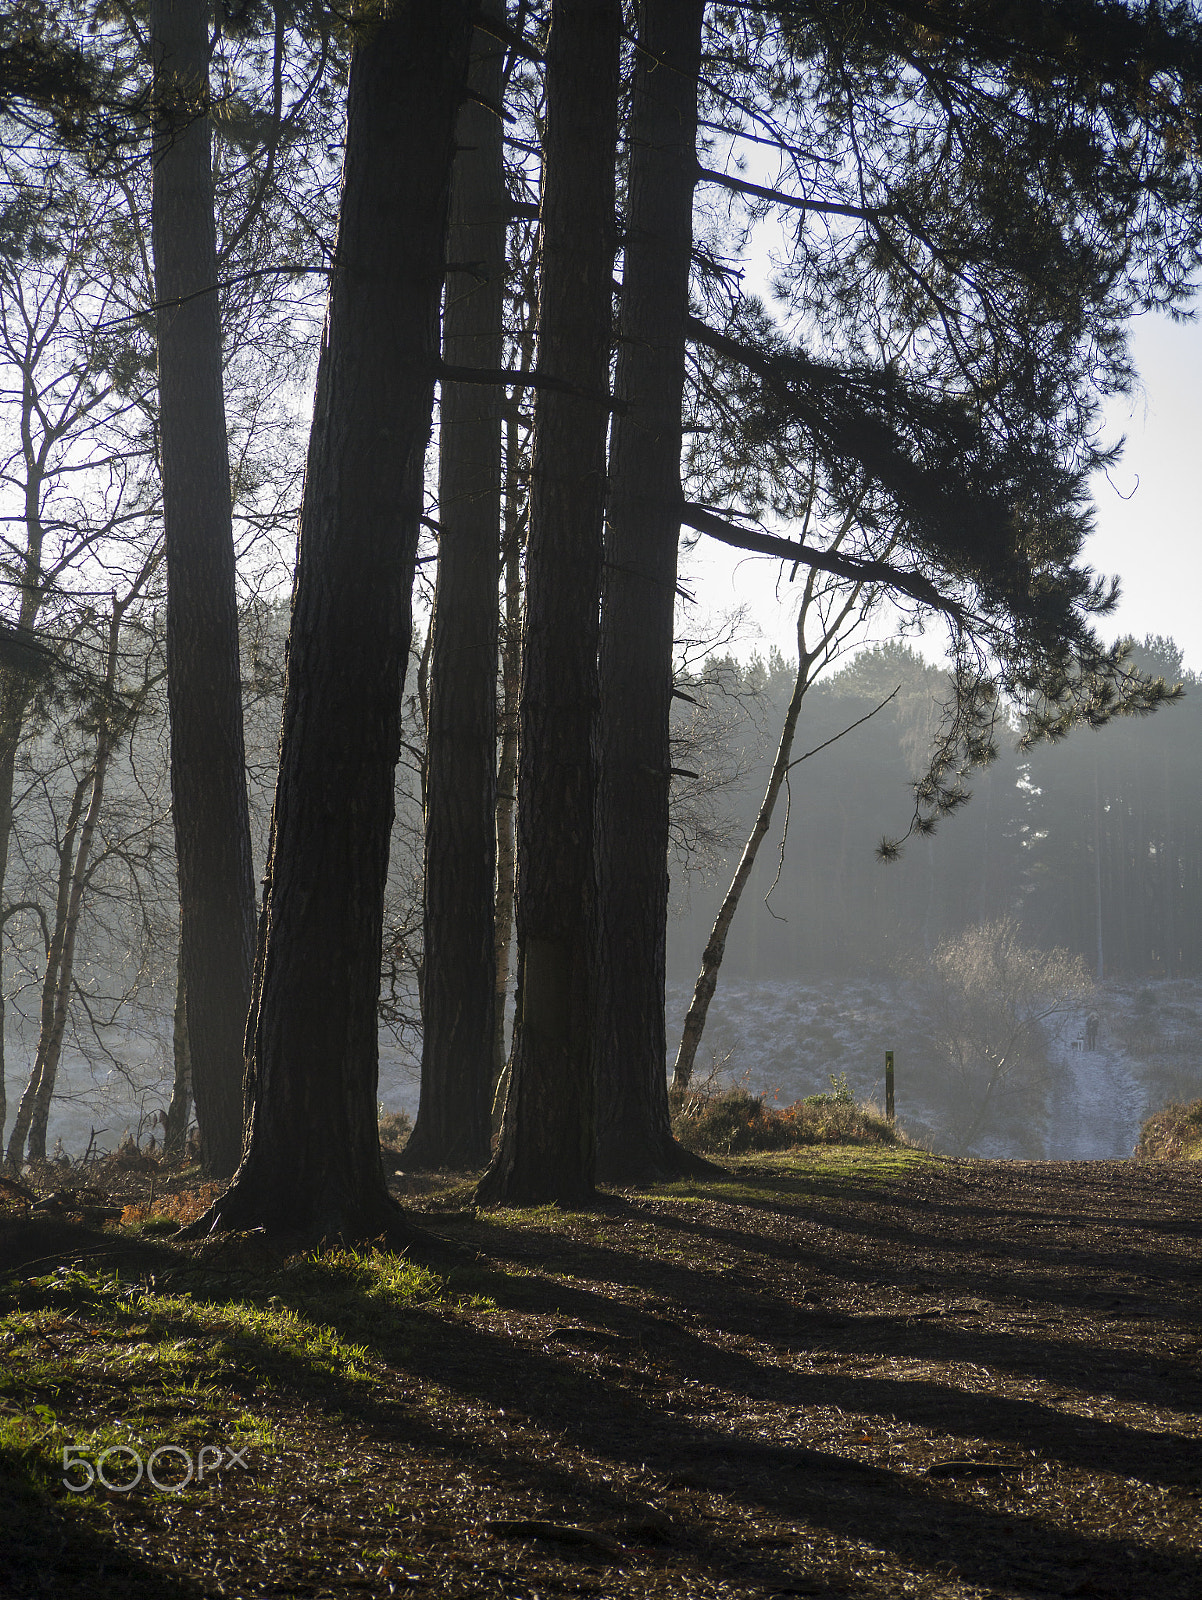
point(1174, 1134)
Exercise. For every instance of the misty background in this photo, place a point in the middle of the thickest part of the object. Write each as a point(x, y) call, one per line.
point(1091, 846)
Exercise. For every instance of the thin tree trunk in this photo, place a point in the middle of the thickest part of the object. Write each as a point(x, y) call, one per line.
point(208, 776)
point(51, 1049)
point(453, 1120)
point(34, 1111)
point(16, 687)
point(312, 1165)
point(715, 948)
point(517, 511)
point(808, 660)
point(546, 1150)
point(179, 1112)
point(634, 1134)
point(1100, 955)
point(54, 955)
point(507, 766)
point(13, 701)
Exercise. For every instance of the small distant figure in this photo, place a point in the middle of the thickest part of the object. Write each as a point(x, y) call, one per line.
point(1091, 1031)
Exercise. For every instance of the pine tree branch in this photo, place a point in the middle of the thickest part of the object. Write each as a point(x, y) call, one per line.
point(911, 584)
point(792, 201)
point(525, 380)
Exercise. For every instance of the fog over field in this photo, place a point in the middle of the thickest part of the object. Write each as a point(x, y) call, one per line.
point(784, 1040)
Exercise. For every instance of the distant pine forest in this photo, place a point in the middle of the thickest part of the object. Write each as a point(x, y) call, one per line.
point(1092, 843)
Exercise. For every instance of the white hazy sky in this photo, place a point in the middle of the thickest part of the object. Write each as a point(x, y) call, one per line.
point(1149, 511)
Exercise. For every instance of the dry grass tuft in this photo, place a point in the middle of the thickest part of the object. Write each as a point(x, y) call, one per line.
point(181, 1208)
point(1173, 1134)
point(731, 1121)
point(395, 1128)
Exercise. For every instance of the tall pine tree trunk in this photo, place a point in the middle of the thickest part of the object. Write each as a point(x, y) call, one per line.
point(546, 1150)
point(453, 1120)
point(208, 766)
point(634, 1137)
point(312, 1166)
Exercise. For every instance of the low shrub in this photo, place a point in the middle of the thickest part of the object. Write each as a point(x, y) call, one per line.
point(839, 1094)
point(1173, 1134)
point(729, 1121)
point(171, 1211)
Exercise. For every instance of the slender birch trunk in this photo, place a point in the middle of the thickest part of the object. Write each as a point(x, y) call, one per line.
point(74, 861)
point(809, 662)
point(507, 777)
point(16, 687)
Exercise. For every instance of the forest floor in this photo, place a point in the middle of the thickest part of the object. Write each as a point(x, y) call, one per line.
point(838, 1372)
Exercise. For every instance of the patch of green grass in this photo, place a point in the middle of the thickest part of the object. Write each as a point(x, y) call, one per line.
point(150, 1227)
point(549, 1218)
point(853, 1160)
point(362, 1291)
point(787, 1175)
point(103, 1363)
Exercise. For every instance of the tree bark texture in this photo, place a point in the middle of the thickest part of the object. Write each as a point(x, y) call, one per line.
point(312, 1165)
point(208, 766)
point(546, 1150)
point(453, 1120)
point(634, 1137)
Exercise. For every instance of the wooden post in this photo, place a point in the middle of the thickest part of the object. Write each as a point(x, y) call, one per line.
point(889, 1085)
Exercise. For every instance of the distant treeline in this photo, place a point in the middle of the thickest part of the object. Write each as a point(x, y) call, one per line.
point(1093, 843)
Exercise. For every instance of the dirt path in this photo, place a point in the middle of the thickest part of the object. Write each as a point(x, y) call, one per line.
point(850, 1377)
point(1098, 1106)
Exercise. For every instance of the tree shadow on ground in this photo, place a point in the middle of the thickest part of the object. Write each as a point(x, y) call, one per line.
point(779, 1394)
